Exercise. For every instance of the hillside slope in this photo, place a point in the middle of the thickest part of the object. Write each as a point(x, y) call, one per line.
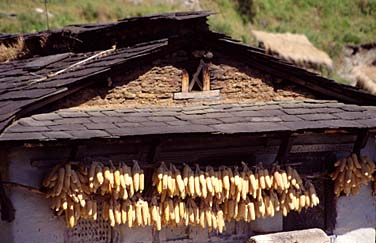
point(328, 24)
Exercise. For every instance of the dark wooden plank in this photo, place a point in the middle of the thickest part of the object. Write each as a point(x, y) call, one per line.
point(42, 62)
point(300, 148)
point(26, 94)
point(12, 107)
point(325, 138)
point(70, 79)
point(330, 207)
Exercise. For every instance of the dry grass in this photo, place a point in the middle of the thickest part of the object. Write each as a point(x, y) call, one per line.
point(13, 51)
point(295, 48)
point(366, 78)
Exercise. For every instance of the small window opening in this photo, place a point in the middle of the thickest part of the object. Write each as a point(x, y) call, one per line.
point(200, 79)
point(195, 83)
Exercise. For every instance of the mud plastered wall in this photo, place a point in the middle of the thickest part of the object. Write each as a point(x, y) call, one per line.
point(156, 85)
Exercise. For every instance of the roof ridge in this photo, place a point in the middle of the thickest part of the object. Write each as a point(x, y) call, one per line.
point(87, 37)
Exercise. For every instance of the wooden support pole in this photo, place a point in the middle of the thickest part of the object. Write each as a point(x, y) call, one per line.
point(284, 148)
point(206, 77)
point(361, 141)
point(185, 82)
point(6, 207)
point(154, 151)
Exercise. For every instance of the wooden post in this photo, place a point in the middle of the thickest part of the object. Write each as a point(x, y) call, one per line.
point(206, 78)
point(284, 148)
point(185, 81)
point(361, 141)
point(6, 206)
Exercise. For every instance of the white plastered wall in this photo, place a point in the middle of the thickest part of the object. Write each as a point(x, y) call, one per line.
point(356, 220)
point(356, 215)
point(34, 221)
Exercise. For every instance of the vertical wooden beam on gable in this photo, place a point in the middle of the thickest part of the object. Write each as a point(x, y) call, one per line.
point(185, 81)
point(206, 78)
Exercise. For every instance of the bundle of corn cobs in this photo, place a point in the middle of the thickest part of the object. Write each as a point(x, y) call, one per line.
point(210, 197)
point(350, 173)
point(205, 197)
point(73, 189)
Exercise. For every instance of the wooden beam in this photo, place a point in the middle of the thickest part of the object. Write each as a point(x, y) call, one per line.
point(330, 202)
point(361, 141)
point(197, 95)
point(6, 206)
point(284, 148)
point(73, 153)
point(153, 154)
point(206, 77)
point(185, 82)
point(195, 78)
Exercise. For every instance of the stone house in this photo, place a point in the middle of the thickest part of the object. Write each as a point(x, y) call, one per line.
point(166, 88)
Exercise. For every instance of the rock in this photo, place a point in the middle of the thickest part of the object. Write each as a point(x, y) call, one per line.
point(297, 236)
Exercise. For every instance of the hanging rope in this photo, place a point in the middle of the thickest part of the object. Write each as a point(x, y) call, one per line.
point(77, 64)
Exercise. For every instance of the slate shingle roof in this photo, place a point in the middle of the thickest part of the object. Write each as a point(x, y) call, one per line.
point(225, 118)
point(26, 85)
point(20, 92)
point(22, 83)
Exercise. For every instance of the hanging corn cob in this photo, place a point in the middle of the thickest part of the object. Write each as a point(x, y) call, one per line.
point(350, 173)
point(71, 189)
point(206, 196)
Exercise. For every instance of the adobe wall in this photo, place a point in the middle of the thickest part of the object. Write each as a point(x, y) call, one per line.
point(156, 86)
point(34, 221)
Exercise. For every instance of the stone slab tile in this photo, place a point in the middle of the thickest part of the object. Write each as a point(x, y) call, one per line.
point(208, 118)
